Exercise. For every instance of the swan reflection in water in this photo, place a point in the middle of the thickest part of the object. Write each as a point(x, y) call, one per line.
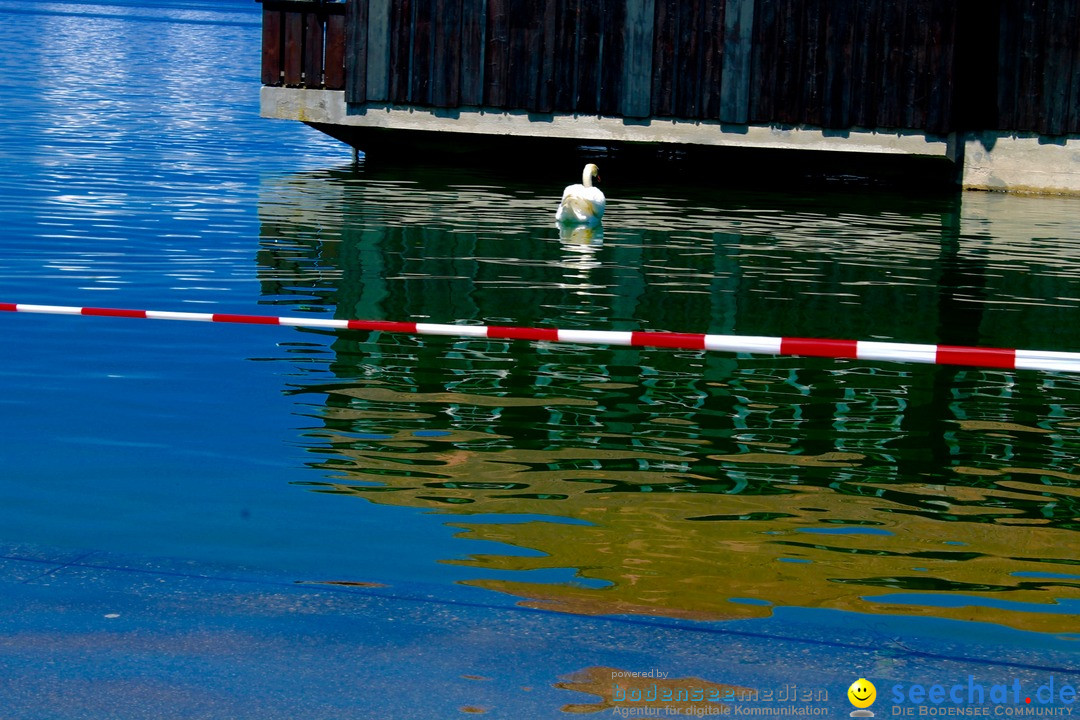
point(580, 243)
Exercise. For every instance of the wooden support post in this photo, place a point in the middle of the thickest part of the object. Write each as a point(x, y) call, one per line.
point(294, 48)
point(312, 59)
point(271, 47)
point(738, 50)
point(638, 58)
point(355, 51)
point(378, 50)
point(496, 53)
point(473, 22)
point(334, 64)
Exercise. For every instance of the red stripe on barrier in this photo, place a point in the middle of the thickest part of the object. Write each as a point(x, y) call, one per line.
point(9, 307)
point(819, 348)
point(523, 333)
point(384, 325)
point(114, 312)
point(984, 357)
point(246, 319)
point(685, 341)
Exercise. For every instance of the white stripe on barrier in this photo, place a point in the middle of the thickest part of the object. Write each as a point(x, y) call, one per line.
point(596, 337)
point(901, 352)
point(452, 330)
point(744, 344)
point(50, 309)
point(314, 322)
point(1047, 360)
point(171, 315)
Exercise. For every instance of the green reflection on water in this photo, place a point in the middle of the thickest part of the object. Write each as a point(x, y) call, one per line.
point(696, 474)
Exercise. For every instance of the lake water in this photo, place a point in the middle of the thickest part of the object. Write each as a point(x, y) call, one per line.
point(135, 172)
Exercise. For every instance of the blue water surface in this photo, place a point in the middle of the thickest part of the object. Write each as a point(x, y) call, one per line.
point(131, 162)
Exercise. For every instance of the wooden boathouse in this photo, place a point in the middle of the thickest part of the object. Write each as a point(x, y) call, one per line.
point(991, 85)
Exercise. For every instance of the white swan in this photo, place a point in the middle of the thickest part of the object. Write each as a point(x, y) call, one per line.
point(582, 204)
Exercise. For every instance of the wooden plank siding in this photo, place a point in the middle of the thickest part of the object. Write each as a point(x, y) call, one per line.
point(884, 64)
point(304, 43)
point(891, 65)
point(701, 71)
point(1039, 79)
point(610, 57)
point(564, 47)
point(589, 34)
point(446, 54)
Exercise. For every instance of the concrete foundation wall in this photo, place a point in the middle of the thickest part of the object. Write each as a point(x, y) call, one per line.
point(1022, 163)
point(328, 107)
point(985, 161)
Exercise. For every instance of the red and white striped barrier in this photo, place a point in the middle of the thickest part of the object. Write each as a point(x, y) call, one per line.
point(853, 349)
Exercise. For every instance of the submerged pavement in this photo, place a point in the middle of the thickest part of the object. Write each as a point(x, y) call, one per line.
point(96, 635)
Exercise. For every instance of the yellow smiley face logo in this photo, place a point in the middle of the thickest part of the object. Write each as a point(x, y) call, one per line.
point(862, 693)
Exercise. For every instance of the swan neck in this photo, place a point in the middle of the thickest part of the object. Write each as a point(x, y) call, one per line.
point(586, 177)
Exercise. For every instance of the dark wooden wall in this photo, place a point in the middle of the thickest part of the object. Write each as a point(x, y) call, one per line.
point(1039, 71)
point(931, 65)
point(840, 64)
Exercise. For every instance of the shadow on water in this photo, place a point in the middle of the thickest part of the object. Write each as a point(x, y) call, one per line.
point(687, 484)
